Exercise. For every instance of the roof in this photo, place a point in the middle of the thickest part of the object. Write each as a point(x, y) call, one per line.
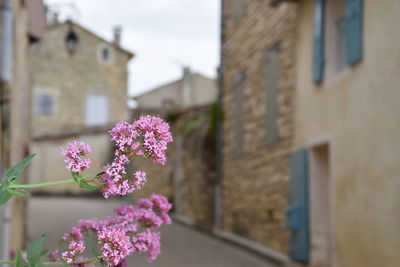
point(169, 83)
point(129, 53)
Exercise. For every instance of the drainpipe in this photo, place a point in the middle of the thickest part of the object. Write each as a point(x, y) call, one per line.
point(6, 52)
point(218, 200)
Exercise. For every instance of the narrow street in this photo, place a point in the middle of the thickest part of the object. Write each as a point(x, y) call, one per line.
point(181, 245)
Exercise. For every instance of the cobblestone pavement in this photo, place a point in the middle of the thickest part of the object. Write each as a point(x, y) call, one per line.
point(181, 245)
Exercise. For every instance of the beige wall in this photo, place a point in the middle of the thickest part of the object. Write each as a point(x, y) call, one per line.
point(156, 97)
point(49, 164)
point(357, 112)
point(202, 91)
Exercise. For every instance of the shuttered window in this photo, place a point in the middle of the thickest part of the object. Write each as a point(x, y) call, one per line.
point(271, 64)
point(239, 116)
point(298, 213)
point(353, 28)
point(96, 110)
point(44, 104)
point(319, 40)
point(345, 46)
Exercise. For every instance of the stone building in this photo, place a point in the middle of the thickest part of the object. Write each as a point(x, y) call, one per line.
point(347, 128)
point(22, 26)
point(193, 89)
point(80, 91)
point(257, 65)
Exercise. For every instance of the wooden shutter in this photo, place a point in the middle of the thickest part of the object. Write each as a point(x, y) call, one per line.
point(271, 84)
point(298, 213)
point(353, 30)
point(319, 40)
point(239, 87)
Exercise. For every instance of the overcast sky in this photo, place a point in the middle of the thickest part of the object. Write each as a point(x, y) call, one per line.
point(164, 34)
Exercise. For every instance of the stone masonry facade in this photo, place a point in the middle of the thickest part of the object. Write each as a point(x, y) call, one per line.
point(256, 182)
point(70, 78)
point(97, 69)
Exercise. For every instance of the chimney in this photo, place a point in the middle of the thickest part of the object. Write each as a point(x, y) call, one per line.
point(117, 35)
point(187, 89)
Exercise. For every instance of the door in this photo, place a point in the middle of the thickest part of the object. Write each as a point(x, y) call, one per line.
point(320, 205)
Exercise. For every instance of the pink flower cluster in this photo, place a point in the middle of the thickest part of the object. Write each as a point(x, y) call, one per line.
point(75, 248)
point(156, 136)
point(74, 154)
point(116, 245)
point(148, 136)
point(132, 230)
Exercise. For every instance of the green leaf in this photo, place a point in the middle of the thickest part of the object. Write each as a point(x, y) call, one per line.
point(80, 180)
point(10, 176)
point(76, 176)
point(86, 185)
point(35, 251)
point(14, 192)
point(4, 194)
point(19, 261)
point(15, 171)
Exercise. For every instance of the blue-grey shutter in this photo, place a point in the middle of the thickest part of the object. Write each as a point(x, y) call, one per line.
point(271, 83)
point(239, 86)
point(353, 30)
point(319, 40)
point(298, 213)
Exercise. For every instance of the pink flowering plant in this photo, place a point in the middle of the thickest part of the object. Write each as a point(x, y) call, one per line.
point(133, 228)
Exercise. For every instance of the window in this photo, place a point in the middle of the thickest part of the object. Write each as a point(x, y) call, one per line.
point(96, 110)
point(105, 54)
point(239, 127)
point(44, 103)
point(238, 9)
point(337, 36)
point(335, 50)
point(271, 64)
point(340, 42)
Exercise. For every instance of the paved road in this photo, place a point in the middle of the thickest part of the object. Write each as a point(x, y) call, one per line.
point(181, 246)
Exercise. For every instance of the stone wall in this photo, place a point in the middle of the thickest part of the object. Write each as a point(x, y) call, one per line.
point(188, 176)
point(256, 183)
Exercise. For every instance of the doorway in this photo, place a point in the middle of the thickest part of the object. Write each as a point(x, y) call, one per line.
point(320, 206)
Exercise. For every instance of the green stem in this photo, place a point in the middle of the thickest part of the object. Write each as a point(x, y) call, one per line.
point(93, 262)
point(7, 261)
point(94, 259)
point(42, 184)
